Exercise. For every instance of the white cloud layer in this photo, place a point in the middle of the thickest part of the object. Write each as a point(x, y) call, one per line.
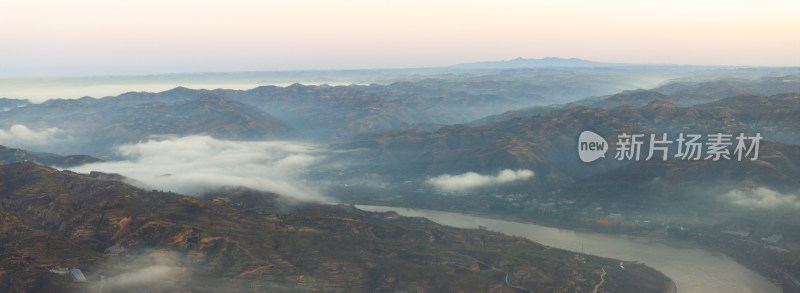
point(194, 164)
point(471, 180)
point(762, 197)
point(21, 135)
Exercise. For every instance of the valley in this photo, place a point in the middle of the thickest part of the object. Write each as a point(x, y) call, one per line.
point(223, 189)
point(400, 146)
point(244, 239)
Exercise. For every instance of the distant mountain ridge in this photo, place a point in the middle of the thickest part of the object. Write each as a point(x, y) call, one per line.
point(545, 143)
point(214, 115)
point(99, 125)
point(532, 63)
point(681, 93)
point(7, 104)
point(335, 113)
point(317, 112)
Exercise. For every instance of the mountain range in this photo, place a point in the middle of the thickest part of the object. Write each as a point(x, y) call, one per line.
point(96, 126)
point(533, 63)
point(546, 143)
point(680, 92)
point(390, 143)
point(8, 104)
point(325, 113)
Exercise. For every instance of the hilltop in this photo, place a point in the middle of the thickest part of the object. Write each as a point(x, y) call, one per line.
point(12, 155)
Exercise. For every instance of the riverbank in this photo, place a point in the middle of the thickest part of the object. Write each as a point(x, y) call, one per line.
point(692, 268)
point(720, 243)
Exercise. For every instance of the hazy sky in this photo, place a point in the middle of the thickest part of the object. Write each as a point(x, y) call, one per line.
point(77, 37)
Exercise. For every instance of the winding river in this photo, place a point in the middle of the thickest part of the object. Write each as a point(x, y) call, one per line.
point(693, 269)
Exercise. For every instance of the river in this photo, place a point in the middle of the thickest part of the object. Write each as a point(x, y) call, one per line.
point(692, 268)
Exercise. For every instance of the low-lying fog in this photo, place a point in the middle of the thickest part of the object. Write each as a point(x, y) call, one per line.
point(193, 165)
point(472, 180)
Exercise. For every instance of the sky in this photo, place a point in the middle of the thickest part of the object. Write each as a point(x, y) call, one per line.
point(96, 37)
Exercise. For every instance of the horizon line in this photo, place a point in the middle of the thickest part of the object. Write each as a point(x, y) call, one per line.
point(454, 67)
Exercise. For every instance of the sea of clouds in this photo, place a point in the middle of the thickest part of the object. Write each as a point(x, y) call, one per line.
point(19, 135)
point(194, 165)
